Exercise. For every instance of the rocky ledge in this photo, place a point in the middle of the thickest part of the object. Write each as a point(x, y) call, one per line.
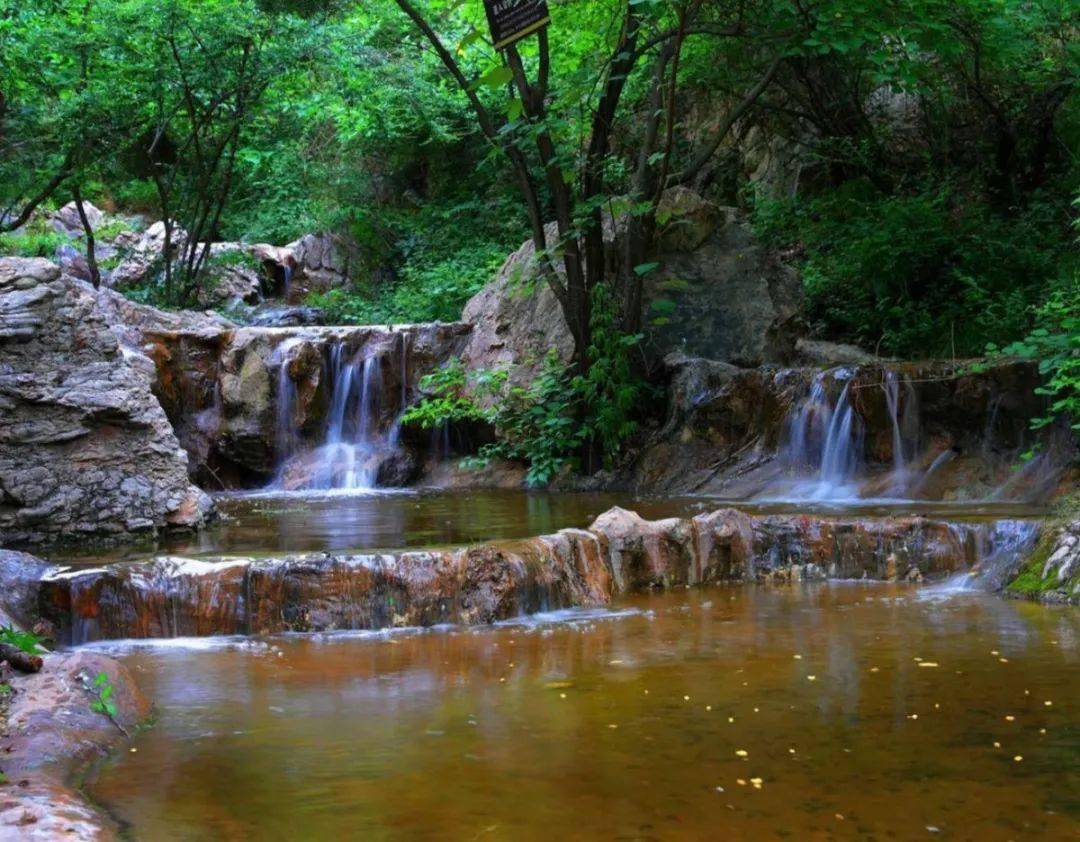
point(85, 448)
point(51, 733)
point(619, 552)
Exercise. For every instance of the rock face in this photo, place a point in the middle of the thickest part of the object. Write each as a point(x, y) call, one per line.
point(619, 552)
point(85, 448)
point(938, 431)
point(717, 293)
point(20, 575)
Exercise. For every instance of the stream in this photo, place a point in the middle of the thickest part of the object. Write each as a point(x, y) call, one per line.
point(840, 710)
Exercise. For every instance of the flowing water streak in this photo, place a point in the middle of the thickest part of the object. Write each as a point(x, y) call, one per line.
point(1000, 548)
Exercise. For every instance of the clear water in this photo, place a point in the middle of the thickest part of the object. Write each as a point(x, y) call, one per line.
point(624, 725)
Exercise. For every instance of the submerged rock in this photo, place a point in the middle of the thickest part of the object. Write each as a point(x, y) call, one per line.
point(85, 448)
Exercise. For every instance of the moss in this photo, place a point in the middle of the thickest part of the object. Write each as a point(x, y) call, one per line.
point(1031, 583)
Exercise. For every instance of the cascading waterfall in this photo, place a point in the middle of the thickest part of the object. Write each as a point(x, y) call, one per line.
point(824, 442)
point(356, 439)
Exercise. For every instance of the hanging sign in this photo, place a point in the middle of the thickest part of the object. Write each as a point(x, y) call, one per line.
point(512, 20)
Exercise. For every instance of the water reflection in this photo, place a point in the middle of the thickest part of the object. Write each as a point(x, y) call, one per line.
point(609, 726)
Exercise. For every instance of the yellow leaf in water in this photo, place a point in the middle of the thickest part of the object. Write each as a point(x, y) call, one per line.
point(1004, 660)
point(558, 685)
point(1018, 757)
point(1048, 703)
point(741, 752)
point(756, 782)
point(811, 678)
point(997, 744)
point(740, 782)
point(1010, 718)
point(927, 664)
point(797, 657)
point(873, 669)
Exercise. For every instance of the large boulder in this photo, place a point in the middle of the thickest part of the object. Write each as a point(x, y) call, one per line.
point(716, 293)
point(85, 448)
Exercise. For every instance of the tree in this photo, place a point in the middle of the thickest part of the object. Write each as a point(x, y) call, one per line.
point(569, 173)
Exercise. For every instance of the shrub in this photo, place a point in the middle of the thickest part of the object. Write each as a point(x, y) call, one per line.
point(918, 275)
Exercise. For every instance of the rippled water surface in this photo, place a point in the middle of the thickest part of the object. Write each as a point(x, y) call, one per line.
point(835, 711)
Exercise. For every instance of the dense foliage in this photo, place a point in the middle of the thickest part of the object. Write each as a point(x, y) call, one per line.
point(915, 158)
point(549, 423)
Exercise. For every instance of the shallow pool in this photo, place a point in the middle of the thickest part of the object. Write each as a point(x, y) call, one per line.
point(832, 711)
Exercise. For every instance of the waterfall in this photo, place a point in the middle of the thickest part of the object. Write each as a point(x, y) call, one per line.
point(824, 441)
point(285, 438)
point(1000, 548)
point(355, 442)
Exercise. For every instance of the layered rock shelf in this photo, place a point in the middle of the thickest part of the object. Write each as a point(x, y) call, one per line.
point(620, 552)
point(85, 448)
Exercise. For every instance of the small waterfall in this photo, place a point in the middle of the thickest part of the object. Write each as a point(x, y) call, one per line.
point(824, 442)
point(285, 438)
point(356, 441)
point(1000, 548)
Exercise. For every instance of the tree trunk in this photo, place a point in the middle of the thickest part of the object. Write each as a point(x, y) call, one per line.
point(91, 256)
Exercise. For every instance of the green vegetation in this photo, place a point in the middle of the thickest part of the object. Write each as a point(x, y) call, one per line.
point(915, 158)
point(924, 275)
point(26, 641)
point(556, 420)
point(35, 240)
point(102, 691)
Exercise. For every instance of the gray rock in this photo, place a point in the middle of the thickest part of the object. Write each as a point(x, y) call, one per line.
point(85, 448)
point(717, 294)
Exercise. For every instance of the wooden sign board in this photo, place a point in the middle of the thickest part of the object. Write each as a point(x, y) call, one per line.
point(512, 20)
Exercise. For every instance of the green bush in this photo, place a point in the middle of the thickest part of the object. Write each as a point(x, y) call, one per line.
point(922, 275)
point(548, 423)
point(1055, 343)
point(444, 253)
point(36, 239)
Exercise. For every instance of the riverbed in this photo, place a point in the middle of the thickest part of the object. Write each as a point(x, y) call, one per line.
point(838, 710)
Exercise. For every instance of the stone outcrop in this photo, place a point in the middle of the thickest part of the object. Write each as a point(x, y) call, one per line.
point(85, 448)
point(51, 735)
point(619, 552)
point(717, 293)
point(963, 427)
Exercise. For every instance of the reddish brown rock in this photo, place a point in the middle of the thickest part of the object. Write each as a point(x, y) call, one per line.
point(53, 732)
